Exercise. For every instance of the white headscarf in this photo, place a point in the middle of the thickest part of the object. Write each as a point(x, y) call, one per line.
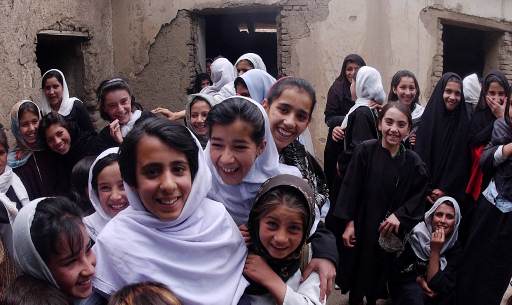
point(200, 255)
point(471, 88)
point(417, 112)
point(25, 252)
point(95, 222)
point(8, 179)
point(223, 72)
point(67, 102)
point(368, 88)
point(258, 83)
point(125, 129)
point(238, 199)
point(255, 59)
point(422, 233)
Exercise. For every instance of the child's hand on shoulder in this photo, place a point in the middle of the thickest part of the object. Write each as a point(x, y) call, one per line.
point(257, 269)
point(245, 234)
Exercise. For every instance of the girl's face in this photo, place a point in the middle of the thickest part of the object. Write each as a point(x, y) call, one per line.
point(444, 217)
point(406, 90)
point(198, 113)
point(118, 106)
point(205, 83)
point(29, 123)
point(289, 116)
point(163, 177)
point(350, 70)
point(281, 231)
point(73, 272)
point(451, 95)
point(233, 151)
point(111, 190)
point(58, 139)
point(53, 91)
point(242, 67)
point(496, 92)
point(3, 159)
point(242, 90)
point(394, 127)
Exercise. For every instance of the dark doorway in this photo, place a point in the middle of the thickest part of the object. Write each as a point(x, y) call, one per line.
point(468, 50)
point(234, 34)
point(64, 53)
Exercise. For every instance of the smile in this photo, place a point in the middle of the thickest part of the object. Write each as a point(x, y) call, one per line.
point(229, 170)
point(169, 202)
point(284, 133)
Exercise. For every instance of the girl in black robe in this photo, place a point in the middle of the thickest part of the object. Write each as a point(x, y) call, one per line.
point(339, 101)
point(441, 139)
point(383, 190)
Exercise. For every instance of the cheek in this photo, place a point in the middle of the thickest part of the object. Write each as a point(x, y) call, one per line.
point(104, 197)
point(66, 278)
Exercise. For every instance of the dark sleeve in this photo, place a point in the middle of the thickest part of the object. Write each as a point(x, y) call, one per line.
point(443, 283)
point(362, 126)
point(323, 244)
point(351, 187)
point(83, 120)
point(487, 160)
point(332, 108)
point(103, 141)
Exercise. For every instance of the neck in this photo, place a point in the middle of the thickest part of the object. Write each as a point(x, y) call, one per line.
point(393, 149)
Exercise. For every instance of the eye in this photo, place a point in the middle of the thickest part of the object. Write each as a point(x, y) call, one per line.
point(272, 225)
point(240, 147)
point(295, 229)
point(151, 171)
point(105, 189)
point(179, 170)
point(402, 124)
point(283, 109)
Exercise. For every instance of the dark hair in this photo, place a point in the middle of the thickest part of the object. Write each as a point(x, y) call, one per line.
point(209, 60)
point(27, 106)
point(290, 83)
point(240, 81)
point(79, 184)
point(56, 219)
point(172, 134)
point(3, 139)
point(198, 81)
point(395, 81)
point(246, 61)
point(507, 109)
point(144, 293)
point(235, 108)
point(402, 108)
point(53, 118)
point(199, 99)
point(108, 86)
point(454, 79)
point(99, 166)
point(49, 74)
point(27, 290)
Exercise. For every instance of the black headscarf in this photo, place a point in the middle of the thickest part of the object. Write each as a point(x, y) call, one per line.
point(442, 141)
point(483, 119)
point(284, 268)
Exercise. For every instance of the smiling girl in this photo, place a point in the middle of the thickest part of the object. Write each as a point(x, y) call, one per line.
point(196, 112)
point(381, 199)
point(171, 233)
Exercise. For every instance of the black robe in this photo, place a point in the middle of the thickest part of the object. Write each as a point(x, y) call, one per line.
point(339, 102)
point(442, 142)
point(80, 116)
point(375, 186)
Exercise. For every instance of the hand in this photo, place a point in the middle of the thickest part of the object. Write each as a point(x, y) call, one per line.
point(412, 138)
point(424, 286)
point(349, 236)
point(115, 131)
point(338, 133)
point(437, 241)
point(172, 116)
point(434, 195)
point(507, 149)
point(497, 106)
point(257, 269)
point(375, 105)
point(245, 234)
point(327, 273)
point(391, 224)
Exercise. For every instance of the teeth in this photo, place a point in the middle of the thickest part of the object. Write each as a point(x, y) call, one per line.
point(118, 206)
point(284, 132)
point(168, 202)
point(228, 170)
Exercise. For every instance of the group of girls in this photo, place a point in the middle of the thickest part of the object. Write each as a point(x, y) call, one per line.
point(388, 164)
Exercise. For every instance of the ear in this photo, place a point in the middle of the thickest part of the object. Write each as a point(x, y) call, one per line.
point(261, 147)
point(394, 90)
point(266, 105)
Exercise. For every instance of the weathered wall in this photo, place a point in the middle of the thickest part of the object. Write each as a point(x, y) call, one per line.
point(313, 39)
point(23, 19)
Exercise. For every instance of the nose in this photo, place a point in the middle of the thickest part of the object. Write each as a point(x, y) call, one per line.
point(167, 183)
point(280, 237)
point(202, 118)
point(226, 156)
point(289, 120)
point(31, 127)
point(89, 265)
point(117, 194)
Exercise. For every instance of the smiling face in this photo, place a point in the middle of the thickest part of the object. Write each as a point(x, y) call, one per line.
point(406, 90)
point(29, 123)
point(243, 66)
point(198, 113)
point(233, 151)
point(444, 217)
point(73, 272)
point(111, 190)
point(164, 178)
point(496, 93)
point(118, 105)
point(53, 91)
point(289, 116)
point(58, 139)
point(452, 95)
point(394, 127)
point(281, 231)
point(351, 70)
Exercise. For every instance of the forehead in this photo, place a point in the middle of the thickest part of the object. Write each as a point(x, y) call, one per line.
point(285, 214)
point(295, 98)
point(200, 105)
point(52, 81)
point(115, 95)
point(237, 130)
point(395, 114)
point(495, 86)
point(446, 209)
point(406, 80)
point(352, 65)
point(453, 85)
point(151, 149)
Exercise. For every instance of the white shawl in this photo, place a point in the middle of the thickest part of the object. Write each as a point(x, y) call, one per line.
point(471, 88)
point(422, 233)
point(255, 59)
point(200, 255)
point(95, 222)
point(223, 72)
point(238, 199)
point(368, 88)
point(67, 102)
point(258, 83)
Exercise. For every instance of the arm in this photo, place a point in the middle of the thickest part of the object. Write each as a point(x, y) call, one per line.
point(259, 271)
point(444, 281)
point(332, 111)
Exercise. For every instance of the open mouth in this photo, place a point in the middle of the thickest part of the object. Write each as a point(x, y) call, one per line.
point(167, 201)
point(118, 207)
point(228, 170)
point(283, 133)
point(84, 284)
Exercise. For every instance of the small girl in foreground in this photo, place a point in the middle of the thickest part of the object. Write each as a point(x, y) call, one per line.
point(144, 293)
point(280, 222)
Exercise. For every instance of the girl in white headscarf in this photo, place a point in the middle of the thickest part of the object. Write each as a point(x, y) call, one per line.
point(223, 72)
point(244, 63)
point(106, 191)
point(254, 84)
point(471, 88)
point(55, 98)
point(425, 272)
point(196, 111)
point(171, 233)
